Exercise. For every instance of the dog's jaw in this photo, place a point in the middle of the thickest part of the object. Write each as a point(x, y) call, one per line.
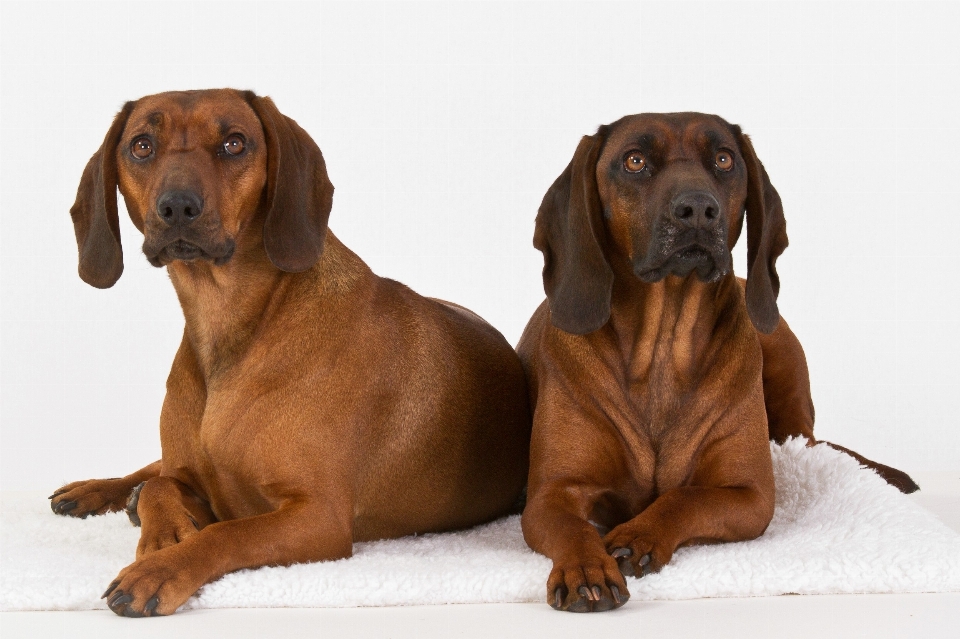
point(180, 249)
point(673, 251)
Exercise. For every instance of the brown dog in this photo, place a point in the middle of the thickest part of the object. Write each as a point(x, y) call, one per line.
point(311, 404)
point(653, 396)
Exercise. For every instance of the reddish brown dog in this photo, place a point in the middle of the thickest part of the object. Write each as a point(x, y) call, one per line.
point(311, 404)
point(656, 377)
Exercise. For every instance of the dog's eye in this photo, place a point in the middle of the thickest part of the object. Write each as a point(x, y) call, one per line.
point(233, 145)
point(141, 148)
point(634, 162)
point(724, 160)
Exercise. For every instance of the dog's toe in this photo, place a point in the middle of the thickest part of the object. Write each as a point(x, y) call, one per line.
point(63, 507)
point(118, 602)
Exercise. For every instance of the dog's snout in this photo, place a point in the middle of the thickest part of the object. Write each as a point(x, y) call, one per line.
point(696, 209)
point(179, 207)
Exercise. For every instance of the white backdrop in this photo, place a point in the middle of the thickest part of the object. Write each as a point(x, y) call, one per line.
point(442, 126)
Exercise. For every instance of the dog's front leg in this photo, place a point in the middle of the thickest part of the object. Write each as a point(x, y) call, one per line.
point(576, 464)
point(169, 512)
point(683, 516)
point(300, 530)
point(729, 498)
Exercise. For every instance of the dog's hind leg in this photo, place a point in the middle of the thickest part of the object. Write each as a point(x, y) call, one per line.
point(786, 385)
point(786, 393)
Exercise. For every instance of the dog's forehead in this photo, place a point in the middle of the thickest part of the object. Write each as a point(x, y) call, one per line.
point(214, 109)
point(668, 130)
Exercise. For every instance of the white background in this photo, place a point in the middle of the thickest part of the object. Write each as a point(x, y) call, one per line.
point(442, 126)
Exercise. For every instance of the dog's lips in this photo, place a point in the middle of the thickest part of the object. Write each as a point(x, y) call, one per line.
point(709, 264)
point(695, 253)
point(183, 250)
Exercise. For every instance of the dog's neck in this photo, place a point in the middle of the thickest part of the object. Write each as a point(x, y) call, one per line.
point(668, 327)
point(226, 307)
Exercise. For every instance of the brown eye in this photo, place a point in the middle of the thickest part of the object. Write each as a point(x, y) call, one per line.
point(724, 161)
point(233, 145)
point(634, 162)
point(141, 148)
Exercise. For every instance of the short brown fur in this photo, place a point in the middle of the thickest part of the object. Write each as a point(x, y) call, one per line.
point(311, 404)
point(655, 388)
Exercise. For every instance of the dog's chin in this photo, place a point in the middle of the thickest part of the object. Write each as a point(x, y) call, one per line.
point(184, 251)
point(709, 266)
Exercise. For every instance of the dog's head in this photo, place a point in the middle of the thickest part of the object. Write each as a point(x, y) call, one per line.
point(200, 171)
point(666, 194)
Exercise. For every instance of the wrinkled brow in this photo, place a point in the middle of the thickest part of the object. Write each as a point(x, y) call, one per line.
point(715, 140)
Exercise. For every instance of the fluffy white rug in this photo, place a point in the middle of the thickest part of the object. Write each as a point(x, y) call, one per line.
point(837, 529)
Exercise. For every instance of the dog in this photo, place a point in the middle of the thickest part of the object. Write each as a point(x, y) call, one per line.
point(311, 403)
point(656, 376)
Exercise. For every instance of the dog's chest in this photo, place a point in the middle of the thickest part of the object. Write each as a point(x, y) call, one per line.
point(663, 422)
point(230, 461)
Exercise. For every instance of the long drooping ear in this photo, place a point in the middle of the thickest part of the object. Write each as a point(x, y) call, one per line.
point(299, 192)
point(577, 278)
point(766, 240)
point(94, 212)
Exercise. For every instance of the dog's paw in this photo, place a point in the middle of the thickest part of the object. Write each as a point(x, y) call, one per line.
point(90, 497)
point(637, 553)
point(591, 585)
point(151, 586)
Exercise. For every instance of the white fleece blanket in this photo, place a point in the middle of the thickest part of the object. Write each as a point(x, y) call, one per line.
point(837, 529)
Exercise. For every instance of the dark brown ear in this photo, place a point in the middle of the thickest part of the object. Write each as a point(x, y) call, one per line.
point(94, 212)
point(299, 193)
point(766, 240)
point(577, 278)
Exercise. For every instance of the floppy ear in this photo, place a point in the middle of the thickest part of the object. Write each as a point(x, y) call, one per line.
point(577, 278)
point(766, 240)
point(299, 193)
point(94, 212)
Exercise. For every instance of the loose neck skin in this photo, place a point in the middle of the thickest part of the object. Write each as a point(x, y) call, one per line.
point(670, 325)
point(225, 307)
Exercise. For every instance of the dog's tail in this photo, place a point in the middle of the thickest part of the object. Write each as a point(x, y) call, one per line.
point(896, 478)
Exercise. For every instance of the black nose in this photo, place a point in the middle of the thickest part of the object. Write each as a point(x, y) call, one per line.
point(696, 209)
point(179, 207)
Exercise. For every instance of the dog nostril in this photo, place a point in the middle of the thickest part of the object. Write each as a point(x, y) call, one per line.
point(686, 212)
point(710, 213)
point(168, 212)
